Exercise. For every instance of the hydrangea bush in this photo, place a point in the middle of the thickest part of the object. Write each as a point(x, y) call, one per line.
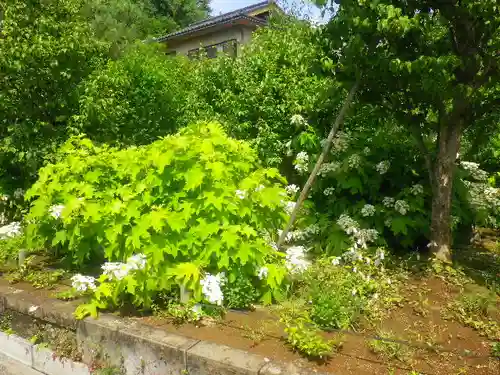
point(184, 210)
point(372, 191)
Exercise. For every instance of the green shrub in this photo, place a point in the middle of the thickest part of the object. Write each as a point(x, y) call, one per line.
point(193, 204)
point(240, 294)
point(136, 99)
point(306, 338)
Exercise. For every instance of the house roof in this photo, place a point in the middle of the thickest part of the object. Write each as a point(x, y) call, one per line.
point(243, 14)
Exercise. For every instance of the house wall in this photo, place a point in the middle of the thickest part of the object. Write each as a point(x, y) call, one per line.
point(240, 33)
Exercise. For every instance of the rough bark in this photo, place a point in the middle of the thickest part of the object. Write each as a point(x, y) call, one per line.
point(443, 171)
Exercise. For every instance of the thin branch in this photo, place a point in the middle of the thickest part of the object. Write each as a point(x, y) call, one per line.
point(305, 191)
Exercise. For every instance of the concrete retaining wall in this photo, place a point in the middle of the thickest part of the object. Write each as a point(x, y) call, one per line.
point(134, 348)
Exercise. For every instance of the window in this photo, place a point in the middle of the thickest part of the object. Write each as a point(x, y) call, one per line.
point(229, 47)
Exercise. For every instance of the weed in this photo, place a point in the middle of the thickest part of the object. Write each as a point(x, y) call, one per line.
point(40, 279)
point(179, 313)
point(495, 349)
point(68, 295)
point(240, 294)
point(5, 322)
point(389, 350)
point(476, 309)
point(304, 337)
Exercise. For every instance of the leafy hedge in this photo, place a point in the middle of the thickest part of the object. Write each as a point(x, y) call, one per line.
point(193, 202)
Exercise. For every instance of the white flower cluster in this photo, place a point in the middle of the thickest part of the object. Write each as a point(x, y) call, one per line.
point(388, 202)
point(417, 189)
point(295, 259)
point(327, 168)
point(300, 235)
point(211, 287)
point(262, 273)
point(56, 211)
point(118, 270)
point(483, 196)
point(348, 224)
point(83, 283)
point(366, 151)
point(383, 167)
point(340, 142)
point(10, 230)
point(241, 194)
point(289, 207)
point(329, 191)
point(18, 193)
point(402, 207)
point(297, 120)
point(473, 168)
point(368, 210)
point(354, 161)
point(365, 236)
point(292, 189)
point(4, 197)
point(301, 162)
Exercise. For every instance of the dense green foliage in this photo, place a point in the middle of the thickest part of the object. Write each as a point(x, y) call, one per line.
point(256, 94)
point(47, 49)
point(434, 67)
point(142, 87)
point(186, 208)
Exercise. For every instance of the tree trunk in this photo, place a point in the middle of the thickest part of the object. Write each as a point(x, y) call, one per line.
point(443, 171)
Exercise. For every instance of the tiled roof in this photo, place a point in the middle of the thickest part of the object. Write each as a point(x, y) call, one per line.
point(242, 13)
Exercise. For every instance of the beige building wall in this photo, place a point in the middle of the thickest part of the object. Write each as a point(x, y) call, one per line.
point(239, 33)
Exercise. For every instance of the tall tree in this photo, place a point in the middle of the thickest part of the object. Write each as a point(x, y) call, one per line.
point(183, 12)
point(434, 64)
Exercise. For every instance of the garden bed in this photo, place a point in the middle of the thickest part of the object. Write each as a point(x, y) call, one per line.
point(418, 338)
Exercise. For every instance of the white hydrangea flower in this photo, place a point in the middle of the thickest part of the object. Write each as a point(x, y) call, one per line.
point(295, 259)
point(348, 225)
point(262, 274)
point(474, 170)
point(327, 168)
point(137, 262)
point(365, 236)
point(18, 193)
point(211, 287)
point(83, 283)
point(354, 161)
point(241, 194)
point(288, 238)
point(312, 229)
point(116, 270)
point(368, 210)
point(257, 189)
point(56, 211)
point(289, 207)
point(301, 162)
point(297, 120)
point(417, 189)
point(388, 202)
point(388, 222)
point(383, 166)
point(401, 206)
point(366, 151)
point(10, 230)
point(341, 142)
point(329, 191)
point(292, 189)
point(336, 261)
